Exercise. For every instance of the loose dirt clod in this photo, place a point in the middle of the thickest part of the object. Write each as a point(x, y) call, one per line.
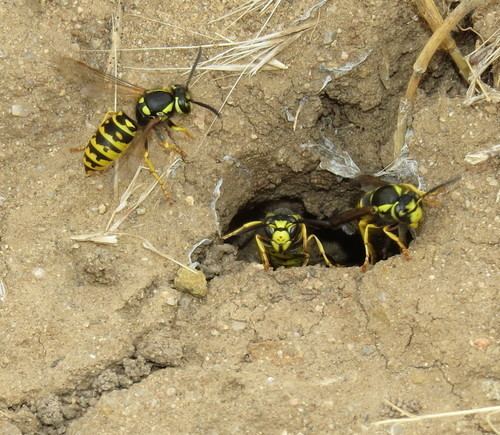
point(192, 282)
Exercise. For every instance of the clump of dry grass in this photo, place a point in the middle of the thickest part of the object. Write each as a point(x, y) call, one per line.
point(110, 235)
point(247, 56)
point(486, 56)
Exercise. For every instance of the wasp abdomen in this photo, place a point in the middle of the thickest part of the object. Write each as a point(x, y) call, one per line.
point(111, 140)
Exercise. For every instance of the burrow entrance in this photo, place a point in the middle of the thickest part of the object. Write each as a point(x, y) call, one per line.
point(343, 246)
point(316, 194)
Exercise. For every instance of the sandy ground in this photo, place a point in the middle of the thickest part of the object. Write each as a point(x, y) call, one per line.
point(98, 339)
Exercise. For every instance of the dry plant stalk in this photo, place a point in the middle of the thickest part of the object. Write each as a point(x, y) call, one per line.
point(421, 64)
point(489, 411)
point(477, 157)
point(112, 67)
point(3, 291)
point(431, 14)
point(245, 9)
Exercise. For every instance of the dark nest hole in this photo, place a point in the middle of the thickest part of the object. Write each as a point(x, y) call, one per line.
point(315, 196)
point(343, 246)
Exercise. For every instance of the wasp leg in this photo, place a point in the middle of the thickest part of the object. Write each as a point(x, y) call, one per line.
point(262, 252)
point(175, 148)
point(246, 227)
point(171, 146)
point(321, 249)
point(303, 232)
point(93, 173)
point(364, 229)
point(171, 125)
point(391, 235)
point(153, 172)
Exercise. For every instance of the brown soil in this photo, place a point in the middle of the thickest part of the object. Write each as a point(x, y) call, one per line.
point(96, 339)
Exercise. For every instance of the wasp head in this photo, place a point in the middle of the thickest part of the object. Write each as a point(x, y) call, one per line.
point(282, 231)
point(408, 209)
point(182, 99)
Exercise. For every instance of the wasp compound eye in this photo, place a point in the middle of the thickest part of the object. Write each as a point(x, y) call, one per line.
point(406, 204)
point(269, 230)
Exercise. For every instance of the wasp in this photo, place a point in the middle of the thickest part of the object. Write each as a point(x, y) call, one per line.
point(394, 209)
point(284, 241)
point(117, 131)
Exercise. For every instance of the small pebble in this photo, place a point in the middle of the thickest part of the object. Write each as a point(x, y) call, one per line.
point(482, 343)
point(102, 209)
point(141, 211)
point(189, 199)
point(329, 37)
point(171, 297)
point(19, 110)
point(238, 325)
point(38, 272)
point(492, 181)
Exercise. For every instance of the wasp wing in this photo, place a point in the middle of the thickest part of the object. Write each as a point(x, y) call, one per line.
point(138, 146)
point(339, 219)
point(76, 70)
point(350, 215)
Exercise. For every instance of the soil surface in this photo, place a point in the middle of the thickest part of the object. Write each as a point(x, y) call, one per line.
point(97, 338)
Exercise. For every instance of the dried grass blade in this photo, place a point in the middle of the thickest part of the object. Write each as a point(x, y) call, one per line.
point(103, 238)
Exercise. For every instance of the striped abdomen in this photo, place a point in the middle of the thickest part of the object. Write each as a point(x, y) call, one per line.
point(111, 140)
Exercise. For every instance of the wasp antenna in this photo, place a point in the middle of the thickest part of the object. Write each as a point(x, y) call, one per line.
point(446, 183)
point(207, 106)
point(193, 68)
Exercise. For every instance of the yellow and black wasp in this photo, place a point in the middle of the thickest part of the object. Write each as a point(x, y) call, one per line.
point(284, 241)
point(117, 131)
point(396, 210)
